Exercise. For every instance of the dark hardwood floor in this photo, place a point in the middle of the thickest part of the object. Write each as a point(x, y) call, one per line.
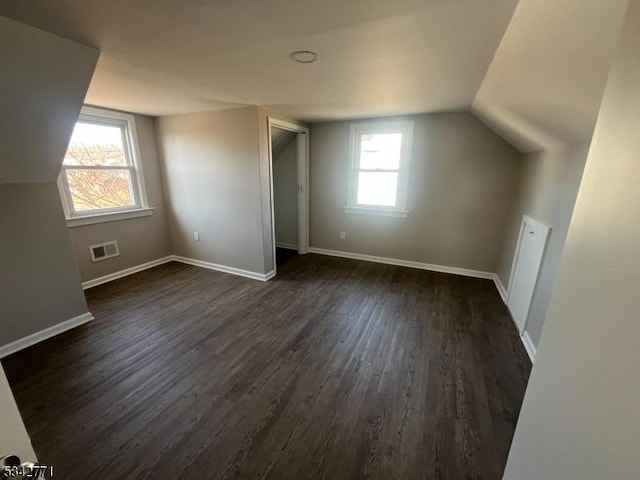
point(336, 369)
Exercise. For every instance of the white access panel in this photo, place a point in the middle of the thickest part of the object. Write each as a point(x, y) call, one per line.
point(526, 267)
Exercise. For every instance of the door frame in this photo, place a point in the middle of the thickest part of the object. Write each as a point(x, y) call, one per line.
point(525, 219)
point(302, 139)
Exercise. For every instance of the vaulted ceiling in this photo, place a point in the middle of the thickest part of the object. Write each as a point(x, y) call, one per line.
point(538, 85)
point(546, 81)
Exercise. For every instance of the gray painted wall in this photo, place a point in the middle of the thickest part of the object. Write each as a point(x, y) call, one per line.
point(212, 179)
point(44, 80)
point(463, 180)
point(40, 282)
point(580, 417)
point(140, 240)
point(285, 188)
point(548, 191)
point(43, 83)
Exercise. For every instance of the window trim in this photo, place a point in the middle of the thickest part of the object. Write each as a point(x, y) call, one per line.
point(405, 127)
point(126, 121)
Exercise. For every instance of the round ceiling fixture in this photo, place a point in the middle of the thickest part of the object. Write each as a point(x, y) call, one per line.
point(304, 56)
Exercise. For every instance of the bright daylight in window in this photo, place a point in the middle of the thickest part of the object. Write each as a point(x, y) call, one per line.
point(378, 180)
point(100, 174)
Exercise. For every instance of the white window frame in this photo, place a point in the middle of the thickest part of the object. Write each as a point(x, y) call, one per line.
point(141, 207)
point(405, 127)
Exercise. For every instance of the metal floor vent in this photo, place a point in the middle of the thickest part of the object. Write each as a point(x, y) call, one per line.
point(103, 251)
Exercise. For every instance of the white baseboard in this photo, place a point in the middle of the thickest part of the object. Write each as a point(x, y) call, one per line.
point(38, 337)
point(501, 290)
point(524, 337)
point(54, 330)
point(127, 271)
point(288, 246)
point(405, 263)
point(190, 261)
point(223, 268)
point(529, 346)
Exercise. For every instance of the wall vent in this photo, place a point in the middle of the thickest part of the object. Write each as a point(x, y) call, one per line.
point(102, 251)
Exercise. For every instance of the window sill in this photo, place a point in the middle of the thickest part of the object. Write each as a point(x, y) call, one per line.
point(380, 212)
point(108, 217)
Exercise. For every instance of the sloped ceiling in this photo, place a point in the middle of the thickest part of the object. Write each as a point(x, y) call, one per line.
point(43, 81)
point(377, 57)
point(280, 140)
point(545, 84)
point(537, 79)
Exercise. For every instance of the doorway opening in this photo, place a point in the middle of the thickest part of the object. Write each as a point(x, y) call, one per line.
point(288, 155)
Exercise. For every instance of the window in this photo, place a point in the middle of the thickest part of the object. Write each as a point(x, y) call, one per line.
point(101, 177)
point(379, 168)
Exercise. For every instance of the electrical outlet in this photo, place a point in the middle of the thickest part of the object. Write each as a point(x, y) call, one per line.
point(343, 235)
point(196, 236)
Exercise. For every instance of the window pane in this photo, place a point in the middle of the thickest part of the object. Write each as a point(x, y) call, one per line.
point(96, 189)
point(99, 145)
point(380, 151)
point(377, 188)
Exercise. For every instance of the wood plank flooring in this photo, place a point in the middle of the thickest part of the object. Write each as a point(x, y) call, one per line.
point(336, 369)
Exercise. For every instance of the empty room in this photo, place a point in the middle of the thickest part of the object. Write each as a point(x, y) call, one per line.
point(320, 240)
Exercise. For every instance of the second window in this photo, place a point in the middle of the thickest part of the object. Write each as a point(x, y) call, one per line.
point(379, 166)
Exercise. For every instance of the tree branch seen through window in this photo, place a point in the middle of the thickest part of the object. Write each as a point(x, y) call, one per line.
point(98, 172)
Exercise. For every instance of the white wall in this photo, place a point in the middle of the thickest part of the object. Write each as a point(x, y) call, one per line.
point(581, 414)
point(14, 439)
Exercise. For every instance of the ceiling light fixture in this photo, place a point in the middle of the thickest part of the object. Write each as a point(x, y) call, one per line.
point(304, 56)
